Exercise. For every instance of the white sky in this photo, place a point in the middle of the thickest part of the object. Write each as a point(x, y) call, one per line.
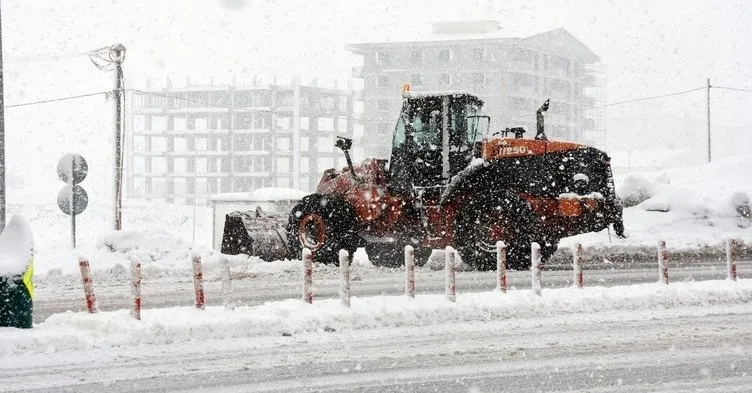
point(648, 47)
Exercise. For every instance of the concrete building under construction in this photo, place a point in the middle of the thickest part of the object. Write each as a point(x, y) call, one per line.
point(197, 141)
point(513, 75)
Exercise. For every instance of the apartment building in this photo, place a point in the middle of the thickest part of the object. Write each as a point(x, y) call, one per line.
point(197, 141)
point(513, 75)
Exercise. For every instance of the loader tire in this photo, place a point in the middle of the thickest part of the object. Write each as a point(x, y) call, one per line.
point(480, 218)
point(325, 225)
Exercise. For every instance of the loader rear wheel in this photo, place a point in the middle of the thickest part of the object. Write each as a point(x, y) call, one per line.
point(485, 221)
point(325, 225)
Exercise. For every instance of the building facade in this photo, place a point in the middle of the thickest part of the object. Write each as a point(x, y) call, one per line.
point(514, 76)
point(198, 141)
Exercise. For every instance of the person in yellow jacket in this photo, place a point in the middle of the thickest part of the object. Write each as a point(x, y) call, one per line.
point(16, 273)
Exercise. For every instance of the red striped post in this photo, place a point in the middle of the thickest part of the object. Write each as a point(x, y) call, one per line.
point(451, 284)
point(535, 268)
point(731, 258)
point(307, 276)
point(226, 284)
point(198, 280)
point(344, 278)
point(136, 287)
point(501, 266)
point(577, 267)
point(662, 262)
point(91, 299)
point(410, 271)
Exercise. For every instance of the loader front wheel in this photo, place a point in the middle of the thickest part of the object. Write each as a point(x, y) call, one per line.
point(325, 225)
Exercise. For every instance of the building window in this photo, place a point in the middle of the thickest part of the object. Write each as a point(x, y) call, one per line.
point(479, 78)
point(416, 57)
point(327, 102)
point(384, 58)
point(479, 54)
point(383, 105)
point(445, 55)
point(382, 81)
point(382, 129)
point(445, 80)
point(416, 80)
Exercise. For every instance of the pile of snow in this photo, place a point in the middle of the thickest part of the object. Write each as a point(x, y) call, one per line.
point(693, 209)
point(634, 189)
point(74, 331)
point(16, 247)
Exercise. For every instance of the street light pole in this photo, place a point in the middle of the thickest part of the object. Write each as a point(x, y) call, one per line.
point(117, 55)
point(708, 115)
point(2, 135)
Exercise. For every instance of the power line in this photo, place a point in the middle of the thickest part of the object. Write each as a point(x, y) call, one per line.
point(731, 88)
point(645, 98)
point(56, 56)
point(57, 99)
point(631, 101)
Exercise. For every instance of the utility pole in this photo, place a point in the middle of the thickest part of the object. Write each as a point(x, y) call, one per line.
point(2, 135)
point(708, 113)
point(117, 55)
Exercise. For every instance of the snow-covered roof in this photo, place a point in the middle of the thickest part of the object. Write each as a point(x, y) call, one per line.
point(261, 195)
point(558, 41)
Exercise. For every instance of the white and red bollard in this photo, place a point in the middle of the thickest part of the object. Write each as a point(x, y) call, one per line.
point(136, 287)
point(501, 266)
point(731, 258)
point(91, 299)
point(662, 262)
point(449, 267)
point(307, 275)
point(226, 278)
point(198, 280)
point(344, 278)
point(577, 265)
point(535, 268)
point(409, 271)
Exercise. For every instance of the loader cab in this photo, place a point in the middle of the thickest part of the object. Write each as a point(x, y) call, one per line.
point(434, 139)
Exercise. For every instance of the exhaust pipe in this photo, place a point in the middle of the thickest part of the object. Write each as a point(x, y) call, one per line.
point(540, 131)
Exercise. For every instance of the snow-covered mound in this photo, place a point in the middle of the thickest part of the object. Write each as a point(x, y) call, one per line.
point(693, 209)
point(16, 247)
point(72, 331)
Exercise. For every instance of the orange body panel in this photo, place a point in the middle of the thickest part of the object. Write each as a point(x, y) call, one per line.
point(514, 147)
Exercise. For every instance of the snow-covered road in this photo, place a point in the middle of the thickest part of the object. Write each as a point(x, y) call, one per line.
point(673, 350)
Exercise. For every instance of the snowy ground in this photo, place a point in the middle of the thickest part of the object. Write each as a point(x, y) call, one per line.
point(643, 339)
point(622, 331)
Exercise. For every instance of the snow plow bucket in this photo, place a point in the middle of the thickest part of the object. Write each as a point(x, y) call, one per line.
point(255, 233)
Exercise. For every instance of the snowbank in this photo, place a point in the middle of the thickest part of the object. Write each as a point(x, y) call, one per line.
point(16, 247)
point(72, 331)
point(694, 209)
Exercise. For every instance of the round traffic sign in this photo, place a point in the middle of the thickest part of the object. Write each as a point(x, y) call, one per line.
point(72, 166)
point(80, 199)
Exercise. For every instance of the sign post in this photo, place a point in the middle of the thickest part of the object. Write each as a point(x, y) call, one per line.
point(72, 198)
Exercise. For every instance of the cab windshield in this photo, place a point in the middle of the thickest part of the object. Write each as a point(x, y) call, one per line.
point(418, 144)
